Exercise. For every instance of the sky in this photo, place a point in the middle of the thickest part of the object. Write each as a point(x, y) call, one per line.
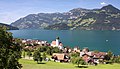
point(12, 10)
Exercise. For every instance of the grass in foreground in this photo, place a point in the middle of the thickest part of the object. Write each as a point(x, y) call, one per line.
point(30, 64)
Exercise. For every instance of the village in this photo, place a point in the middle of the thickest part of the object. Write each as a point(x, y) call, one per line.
point(91, 57)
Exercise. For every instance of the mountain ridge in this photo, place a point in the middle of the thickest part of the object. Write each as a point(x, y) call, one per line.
point(105, 18)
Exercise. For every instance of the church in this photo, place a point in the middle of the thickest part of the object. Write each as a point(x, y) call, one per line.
point(57, 43)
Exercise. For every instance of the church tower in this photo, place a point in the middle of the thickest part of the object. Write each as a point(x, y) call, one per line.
point(57, 41)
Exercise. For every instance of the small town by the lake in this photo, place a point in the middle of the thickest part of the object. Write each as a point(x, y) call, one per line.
point(59, 34)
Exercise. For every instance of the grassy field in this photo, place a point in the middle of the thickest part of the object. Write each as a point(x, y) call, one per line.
point(30, 64)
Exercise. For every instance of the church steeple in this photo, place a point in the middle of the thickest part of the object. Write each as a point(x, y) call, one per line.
point(57, 38)
point(57, 41)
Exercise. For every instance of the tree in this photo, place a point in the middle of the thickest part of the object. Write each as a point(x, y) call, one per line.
point(75, 54)
point(29, 54)
point(49, 51)
point(115, 59)
point(37, 56)
point(23, 54)
point(96, 51)
point(43, 48)
point(44, 56)
point(56, 50)
point(78, 61)
point(108, 56)
point(10, 51)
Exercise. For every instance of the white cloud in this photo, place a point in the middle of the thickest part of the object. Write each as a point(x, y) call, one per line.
point(103, 3)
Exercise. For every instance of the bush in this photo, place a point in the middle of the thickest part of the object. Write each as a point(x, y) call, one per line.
point(78, 61)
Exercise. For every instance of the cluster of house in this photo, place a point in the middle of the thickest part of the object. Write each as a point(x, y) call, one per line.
point(87, 56)
point(92, 56)
point(33, 44)
point(29, 43)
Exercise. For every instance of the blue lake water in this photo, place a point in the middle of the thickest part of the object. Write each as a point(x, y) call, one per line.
point(94, 40)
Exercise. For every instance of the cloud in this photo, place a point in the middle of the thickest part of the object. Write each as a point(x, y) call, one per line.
point(103, 3)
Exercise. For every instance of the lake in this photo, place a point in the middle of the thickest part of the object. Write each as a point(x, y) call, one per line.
point(94, 40)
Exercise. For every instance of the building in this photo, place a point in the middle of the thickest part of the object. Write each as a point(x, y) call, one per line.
point(76, 49)
point(57, 43)
point(34, 42)
point(91, 56)
point(61, 57)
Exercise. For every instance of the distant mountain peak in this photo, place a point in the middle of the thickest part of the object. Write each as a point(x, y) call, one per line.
point(78, 9)
point(110, 8)
point(109, 5)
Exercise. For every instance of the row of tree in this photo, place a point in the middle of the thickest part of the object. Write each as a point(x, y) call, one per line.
point(111, 58)
point(39, 54)
point(46, 49)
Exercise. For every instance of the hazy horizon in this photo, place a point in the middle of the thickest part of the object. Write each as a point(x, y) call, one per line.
point(12, 10)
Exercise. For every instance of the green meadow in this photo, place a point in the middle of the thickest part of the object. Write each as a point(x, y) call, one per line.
point(30, 64)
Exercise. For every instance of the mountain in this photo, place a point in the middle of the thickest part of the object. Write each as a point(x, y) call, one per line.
point(39, 20)
point(8, 26)
point(105, 18)
point(110, 9)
